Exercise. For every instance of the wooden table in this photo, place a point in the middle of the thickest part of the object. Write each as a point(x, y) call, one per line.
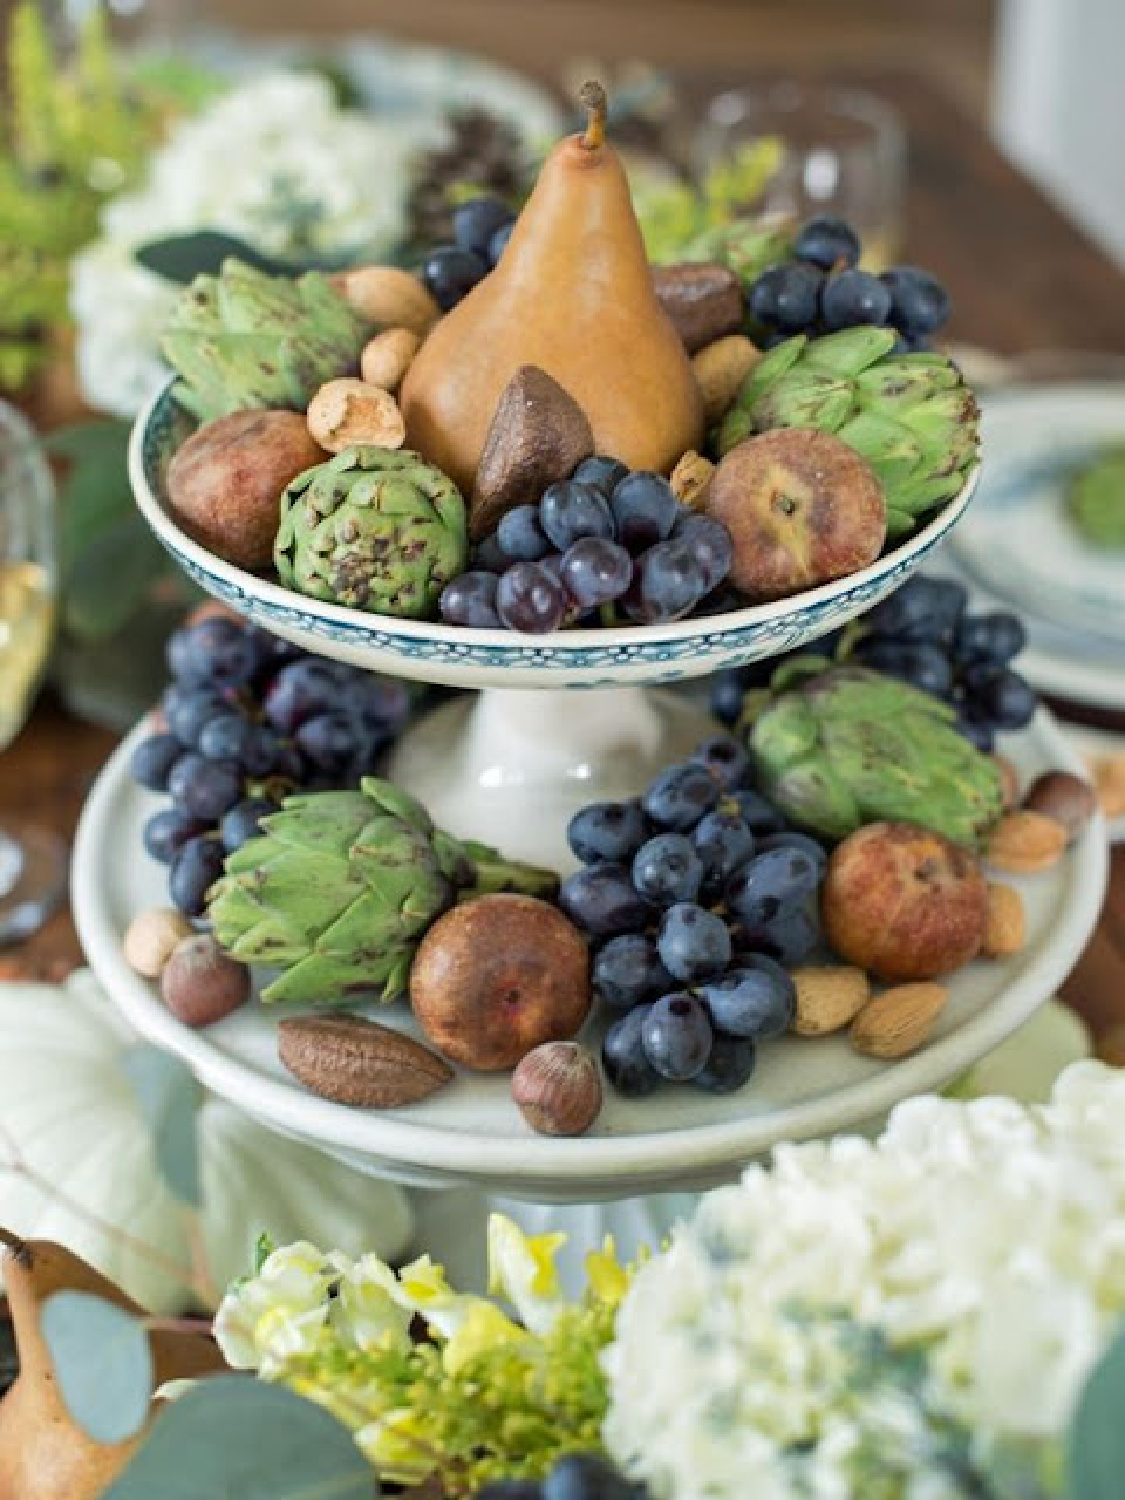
point(1023, 278)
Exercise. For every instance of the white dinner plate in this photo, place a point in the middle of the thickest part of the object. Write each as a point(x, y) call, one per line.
point(1017, 538)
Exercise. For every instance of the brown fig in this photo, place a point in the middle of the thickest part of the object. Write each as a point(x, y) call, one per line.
point(497, 976)
point(44, 1454)
point(225, 482)
point(904, 903)
point(572, 294)
point(538, 435)
point(801, 507)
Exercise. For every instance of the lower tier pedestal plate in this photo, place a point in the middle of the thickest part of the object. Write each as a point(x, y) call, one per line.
point(469, 1137)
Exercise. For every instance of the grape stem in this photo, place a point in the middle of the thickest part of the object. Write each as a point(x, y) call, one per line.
point(592, 98)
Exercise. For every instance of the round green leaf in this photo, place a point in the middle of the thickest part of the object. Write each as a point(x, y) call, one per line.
point(169, 1097)
point(236, 1438)
point(1095, 1456)
point(102, 1361)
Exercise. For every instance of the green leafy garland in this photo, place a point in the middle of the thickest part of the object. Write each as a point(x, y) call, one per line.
point(73, 135)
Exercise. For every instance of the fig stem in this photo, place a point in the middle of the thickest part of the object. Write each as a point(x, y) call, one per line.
point(593, 100)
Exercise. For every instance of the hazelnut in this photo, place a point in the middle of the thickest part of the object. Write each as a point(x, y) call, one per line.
point(1070, 800)
point(201, 984)
point(151, 938)
point(386, 358)
point(347, 412)
point(558, 1088)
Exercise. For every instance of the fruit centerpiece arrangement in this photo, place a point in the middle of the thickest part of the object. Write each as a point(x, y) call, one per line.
point(544, 430)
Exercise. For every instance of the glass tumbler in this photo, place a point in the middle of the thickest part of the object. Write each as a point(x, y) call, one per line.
point(844, 155)
point(32, 859)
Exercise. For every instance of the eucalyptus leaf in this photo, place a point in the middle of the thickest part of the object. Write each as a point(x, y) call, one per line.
point(170, 1098)
point(107, 586)
point(102, 1361)
point(95, 488)
point(183, 257)
point(236, 1438)
point(1095, 1447)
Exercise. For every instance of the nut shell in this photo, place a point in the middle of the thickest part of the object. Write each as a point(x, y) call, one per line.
point(152, 937)
point(904, 903)
point(225, 481)
point(201, 984)
point(828, 998)
point(899, 1020)
point(702, 298)
point(558, 1088)
point(348, 412)
point(386, 358)
point(1005, 934)
point(497, 976)
point(1025, 843)
point(390, 296)
point(355, 1061)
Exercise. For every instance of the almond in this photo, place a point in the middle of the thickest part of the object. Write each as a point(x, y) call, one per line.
point(386, 358)
point(346, 412)
point(899, 1020)
point(354, 1061)
point(1025, 843)
point(1069, 799)
point(1109, 784)
point(828, 998)
point(1005, 933)
point(720, 368)
point(1009, 782)
point(390, 296)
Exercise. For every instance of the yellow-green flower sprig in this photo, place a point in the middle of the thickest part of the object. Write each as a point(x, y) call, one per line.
point(484, 1396)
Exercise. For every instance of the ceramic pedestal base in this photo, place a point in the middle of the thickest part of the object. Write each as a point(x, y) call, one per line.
point(511, 767)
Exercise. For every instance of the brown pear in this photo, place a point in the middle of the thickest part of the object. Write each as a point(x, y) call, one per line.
point(572, 294)
point(44, 1454)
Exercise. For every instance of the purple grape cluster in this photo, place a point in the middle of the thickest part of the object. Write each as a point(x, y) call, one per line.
point(923, 634)
point(482, 228)
point(697, 898)
point(606, 543)
point(821, 289)
point(248, 720)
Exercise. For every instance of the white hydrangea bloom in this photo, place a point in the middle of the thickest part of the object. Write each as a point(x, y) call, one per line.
point(275, 162)
point(988, 1235)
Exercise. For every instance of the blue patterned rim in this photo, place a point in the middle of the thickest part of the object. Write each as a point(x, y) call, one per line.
point(683, 648)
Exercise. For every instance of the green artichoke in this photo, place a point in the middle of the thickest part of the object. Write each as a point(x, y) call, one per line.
point(340, 887)
point(244, 339)
point(1096, 500)
point(374, 528)
point(911, 416)
point(851, 746)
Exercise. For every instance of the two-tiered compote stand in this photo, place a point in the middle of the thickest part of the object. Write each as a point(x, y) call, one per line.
point(557, 722)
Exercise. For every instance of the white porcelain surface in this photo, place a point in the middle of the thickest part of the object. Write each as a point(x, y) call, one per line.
point(1018, 540)
point(511, 768)
point(682, 1139)
point(428, 652)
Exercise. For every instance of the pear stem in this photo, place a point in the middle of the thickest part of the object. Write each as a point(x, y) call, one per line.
point(593, 100)
point(13, 1244)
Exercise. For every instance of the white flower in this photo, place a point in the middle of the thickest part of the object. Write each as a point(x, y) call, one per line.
point(279, 1313)
point(275, 162)
point(987, 1236)
point(366, 1308)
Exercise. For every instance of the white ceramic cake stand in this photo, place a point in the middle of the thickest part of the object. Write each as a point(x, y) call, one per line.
point(510, 766)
